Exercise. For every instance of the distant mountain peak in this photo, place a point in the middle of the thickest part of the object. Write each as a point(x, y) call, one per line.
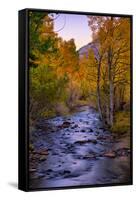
point(85, 50)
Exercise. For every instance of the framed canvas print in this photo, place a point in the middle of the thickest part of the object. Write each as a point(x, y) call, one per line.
point(75, 99)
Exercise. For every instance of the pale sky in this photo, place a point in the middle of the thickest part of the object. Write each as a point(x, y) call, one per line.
point(76, 26)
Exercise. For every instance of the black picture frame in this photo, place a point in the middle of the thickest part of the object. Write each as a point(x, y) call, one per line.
point(23, 79)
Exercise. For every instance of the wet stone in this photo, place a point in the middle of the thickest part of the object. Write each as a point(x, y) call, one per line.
point(32, 170)
point(54, 154)
point(66, 172)
point(43, 152)
point(89, 156)
point(43, 158)
point(122, 152)
point(49, 170)
point(65, 124)
point(75, 126)
point(37, 176)
point(41, 175)
point(110, 154)
point(86, 141)
point(103, 137)
point(83, 130)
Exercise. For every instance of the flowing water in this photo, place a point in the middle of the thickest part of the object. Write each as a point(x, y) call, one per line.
point(80, 152)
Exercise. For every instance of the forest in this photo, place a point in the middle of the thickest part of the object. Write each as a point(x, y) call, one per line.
point(61, 79)
point(79, 101)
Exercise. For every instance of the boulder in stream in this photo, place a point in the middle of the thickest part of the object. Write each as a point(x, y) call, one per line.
point(86, 141)
point(110, 155)
point(65, 124)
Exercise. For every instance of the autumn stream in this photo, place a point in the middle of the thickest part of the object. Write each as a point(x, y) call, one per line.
point(77, 150)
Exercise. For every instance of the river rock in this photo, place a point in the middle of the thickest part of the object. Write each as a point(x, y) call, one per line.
point(66, 172)
point(86, 141)
point(43, 158)
point(32, 170)
point(40, 175)
point(65, 124)
point(110, 154)
point(49, 170)
point(90, 156)
point(83, 130)
point(93, 141)
point(37, 175)
point(104, 137)
point(75, 126)
point(43, 152)
point(34, 157)
point(122, 152)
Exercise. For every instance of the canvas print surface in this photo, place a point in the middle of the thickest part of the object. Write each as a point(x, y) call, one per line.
point(79, 100)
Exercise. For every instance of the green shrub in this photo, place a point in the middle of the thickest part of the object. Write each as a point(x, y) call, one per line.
point(122, 123)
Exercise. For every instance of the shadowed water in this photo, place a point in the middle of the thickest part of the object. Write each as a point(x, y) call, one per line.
point(76, 146)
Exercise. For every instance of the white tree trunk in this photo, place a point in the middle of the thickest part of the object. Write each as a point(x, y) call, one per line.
point(111, 88)
point(98, 91)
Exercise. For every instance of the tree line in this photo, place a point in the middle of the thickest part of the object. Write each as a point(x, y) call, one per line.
point(61, 79)
point(112, 36)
